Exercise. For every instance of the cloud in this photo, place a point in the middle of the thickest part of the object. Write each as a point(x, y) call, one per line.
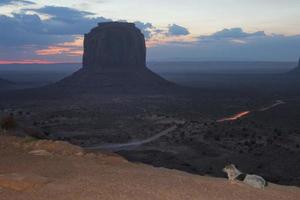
point(22, 29)
point(56, 35)
point(68, 21)
point(146, 28)
point(25, 34)
point(176, 30)
point(232, 33)
point(231, 44)
point(73, 48)
point(63, 13)
point(11, 2)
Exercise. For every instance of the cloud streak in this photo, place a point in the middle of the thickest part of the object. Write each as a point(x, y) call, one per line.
point(232, 33)
point(231, 44)
point(176, 30)
point(12, 2)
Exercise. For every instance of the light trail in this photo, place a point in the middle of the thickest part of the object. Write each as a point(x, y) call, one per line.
point(235, 117)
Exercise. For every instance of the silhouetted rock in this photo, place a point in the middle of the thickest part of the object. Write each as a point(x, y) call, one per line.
point(114, 61)
point(114, 45)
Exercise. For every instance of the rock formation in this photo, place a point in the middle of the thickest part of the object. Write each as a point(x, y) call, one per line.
point(114, 60)
point(114, 45)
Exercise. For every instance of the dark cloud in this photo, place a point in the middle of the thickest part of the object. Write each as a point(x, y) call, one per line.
point(232, 33)
point(30, 29)
point(22, 29)
point(176, 30)
point(238, 45)
point(62, 13)
point(22, 34)
point(11, 2)
point(68, 21)
point(146, 28)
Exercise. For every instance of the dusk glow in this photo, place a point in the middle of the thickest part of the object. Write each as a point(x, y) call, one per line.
point(193, 30)
point(32, 61)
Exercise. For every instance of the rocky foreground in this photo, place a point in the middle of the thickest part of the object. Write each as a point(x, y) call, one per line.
point(39, 169)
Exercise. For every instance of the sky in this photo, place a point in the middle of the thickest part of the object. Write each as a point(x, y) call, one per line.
point(46, 31)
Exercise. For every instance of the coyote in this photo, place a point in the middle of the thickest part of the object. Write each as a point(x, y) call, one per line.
point(253, 180)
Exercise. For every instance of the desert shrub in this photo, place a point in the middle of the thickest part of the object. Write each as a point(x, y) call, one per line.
point(8, 122)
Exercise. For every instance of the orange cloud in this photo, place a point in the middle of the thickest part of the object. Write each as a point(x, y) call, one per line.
point(73, 48)
point(29, 61)
point(52, 50)
point(165, 39)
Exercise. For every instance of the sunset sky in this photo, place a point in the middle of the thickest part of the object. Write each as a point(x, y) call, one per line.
point(51, 30)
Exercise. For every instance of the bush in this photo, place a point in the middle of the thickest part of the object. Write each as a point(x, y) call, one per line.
point(8, 122)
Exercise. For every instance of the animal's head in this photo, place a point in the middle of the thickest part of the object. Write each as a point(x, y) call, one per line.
point(228, 168)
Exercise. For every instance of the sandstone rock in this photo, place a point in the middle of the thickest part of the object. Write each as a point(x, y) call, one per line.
point(21, 182)
point(90, 155)
point(79, 153)
point(40, 152)
point(114, 45)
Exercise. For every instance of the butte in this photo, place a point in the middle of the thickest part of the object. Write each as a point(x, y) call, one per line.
point(114, 61)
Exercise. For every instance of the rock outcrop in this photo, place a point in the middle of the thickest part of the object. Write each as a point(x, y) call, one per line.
point(114, 45)
point(114, 61)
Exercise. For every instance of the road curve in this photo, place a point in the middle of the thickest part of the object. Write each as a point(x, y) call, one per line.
point(129, 145)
